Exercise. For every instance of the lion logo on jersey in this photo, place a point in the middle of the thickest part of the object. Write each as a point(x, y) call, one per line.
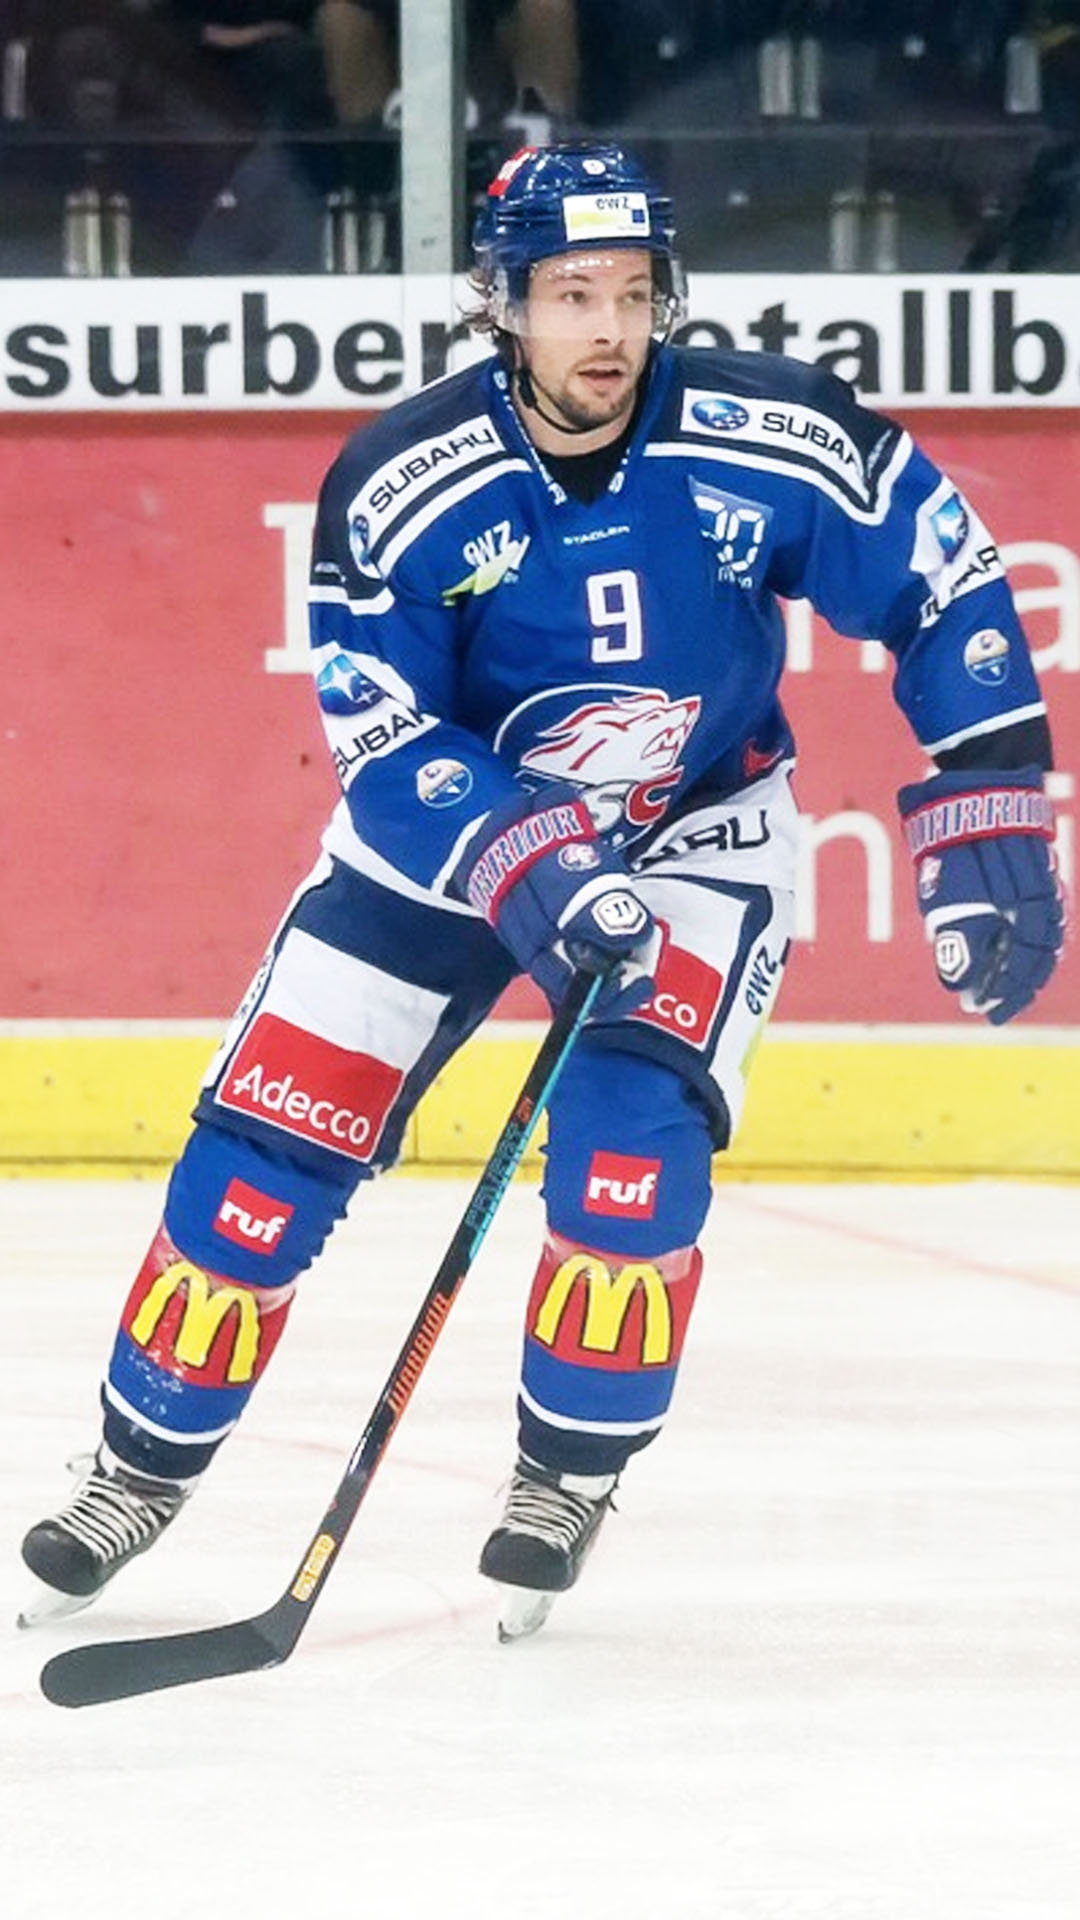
point(626, 738)
point(625, 750)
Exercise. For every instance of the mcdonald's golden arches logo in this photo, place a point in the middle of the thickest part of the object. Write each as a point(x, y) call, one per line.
point(184, 1343)
point(612, 1299)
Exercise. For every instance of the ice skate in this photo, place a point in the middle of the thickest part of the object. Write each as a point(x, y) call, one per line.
point(47, 1605)
point(548, 1527)
point(114, 1514)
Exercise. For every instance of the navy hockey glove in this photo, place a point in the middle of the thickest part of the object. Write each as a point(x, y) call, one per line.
point(986, 884)
point(560, 899)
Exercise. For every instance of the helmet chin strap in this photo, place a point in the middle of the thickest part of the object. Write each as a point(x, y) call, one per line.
point(523, 380)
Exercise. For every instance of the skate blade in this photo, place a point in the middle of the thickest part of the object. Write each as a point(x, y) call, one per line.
point(523, 1611)
point(48, 1604)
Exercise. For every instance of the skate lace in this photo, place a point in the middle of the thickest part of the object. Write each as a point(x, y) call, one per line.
point(111, 1518)
point(552, 1513)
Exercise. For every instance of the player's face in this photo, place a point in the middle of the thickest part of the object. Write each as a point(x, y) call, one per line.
point(585, 333)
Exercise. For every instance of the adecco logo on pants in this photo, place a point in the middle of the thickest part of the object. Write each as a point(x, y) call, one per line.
point(310, 1087)
point(687, 997)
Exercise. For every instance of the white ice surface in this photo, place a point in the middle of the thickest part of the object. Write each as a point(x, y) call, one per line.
point(824, 1665)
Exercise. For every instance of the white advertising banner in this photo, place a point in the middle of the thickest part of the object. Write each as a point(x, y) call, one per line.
point(306, 343)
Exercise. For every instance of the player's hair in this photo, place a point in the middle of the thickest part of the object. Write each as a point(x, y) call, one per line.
point(580, 197)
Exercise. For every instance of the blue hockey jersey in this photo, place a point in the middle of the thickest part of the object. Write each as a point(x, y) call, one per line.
point(475, 628)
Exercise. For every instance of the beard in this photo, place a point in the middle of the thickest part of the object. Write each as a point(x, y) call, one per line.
point(583, 414)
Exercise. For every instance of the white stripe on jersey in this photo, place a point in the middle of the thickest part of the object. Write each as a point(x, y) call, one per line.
point(980, 727)
point(796, 467)
point(139, 1419)
point(783, 426)
point(442, 503)
point(337, 597)
point(341, 840)
point(456, 855)
point(409, 472)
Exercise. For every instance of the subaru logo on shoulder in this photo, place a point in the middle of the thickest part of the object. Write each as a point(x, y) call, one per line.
point(342, 688)
point(722, 416)
point(952, 526)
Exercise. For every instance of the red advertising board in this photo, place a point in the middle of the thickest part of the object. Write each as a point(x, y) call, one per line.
point(163, 778)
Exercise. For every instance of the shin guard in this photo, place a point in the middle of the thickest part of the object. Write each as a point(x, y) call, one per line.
point(603, 1339)
point(627, 1191)
point(189, 1350)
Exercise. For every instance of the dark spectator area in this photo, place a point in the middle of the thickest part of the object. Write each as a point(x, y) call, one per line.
point(231, 136)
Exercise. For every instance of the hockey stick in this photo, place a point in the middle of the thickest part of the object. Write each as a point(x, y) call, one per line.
point(114, 1670)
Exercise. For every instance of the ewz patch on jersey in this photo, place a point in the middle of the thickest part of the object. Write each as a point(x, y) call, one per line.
point(495, 556)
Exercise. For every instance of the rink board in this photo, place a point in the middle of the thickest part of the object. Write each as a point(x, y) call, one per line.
point(172, 591)
point(838, 1100)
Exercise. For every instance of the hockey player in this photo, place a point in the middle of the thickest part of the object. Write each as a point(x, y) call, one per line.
point(547, 649)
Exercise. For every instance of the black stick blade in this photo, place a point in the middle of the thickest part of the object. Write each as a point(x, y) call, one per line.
point(120, 1669)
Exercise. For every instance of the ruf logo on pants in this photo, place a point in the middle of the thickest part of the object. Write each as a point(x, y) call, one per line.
point(251, 1219)
point(621, 1186)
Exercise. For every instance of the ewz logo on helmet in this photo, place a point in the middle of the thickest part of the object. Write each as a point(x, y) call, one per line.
point(605, 216)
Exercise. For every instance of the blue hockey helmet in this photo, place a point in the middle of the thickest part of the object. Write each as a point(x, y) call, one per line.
point(584, 196)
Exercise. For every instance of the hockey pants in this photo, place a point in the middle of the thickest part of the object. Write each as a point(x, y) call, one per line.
point(361, 1000)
